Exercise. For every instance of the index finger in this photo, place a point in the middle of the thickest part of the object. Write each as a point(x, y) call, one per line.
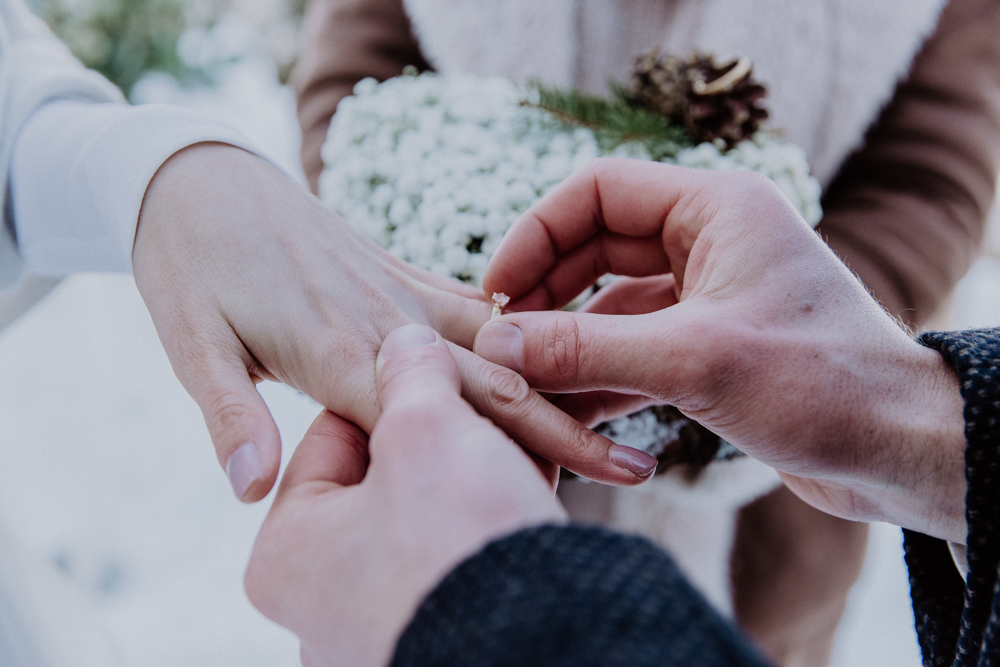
point(608, 217)
point(333, 453)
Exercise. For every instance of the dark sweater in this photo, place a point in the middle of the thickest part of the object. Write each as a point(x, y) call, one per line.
point(573, 596)
point(957, 623)
point(570, 597)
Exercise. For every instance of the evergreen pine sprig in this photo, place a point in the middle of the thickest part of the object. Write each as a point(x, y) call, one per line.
point(615, 120)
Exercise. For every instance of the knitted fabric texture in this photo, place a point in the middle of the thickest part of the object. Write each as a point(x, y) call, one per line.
point(958, 624)
point(570, 596)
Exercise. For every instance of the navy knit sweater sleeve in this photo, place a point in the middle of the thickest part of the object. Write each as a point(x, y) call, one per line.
point(958, 621)
point(574, 597)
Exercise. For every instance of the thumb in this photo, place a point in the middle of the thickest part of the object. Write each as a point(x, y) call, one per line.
point(415, 365)
point(573, 352)
point(424, 417)
point(332, 453)
point(428, 431)
point(244, 434)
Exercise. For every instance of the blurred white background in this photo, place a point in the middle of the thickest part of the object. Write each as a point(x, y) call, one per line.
point(109, 481)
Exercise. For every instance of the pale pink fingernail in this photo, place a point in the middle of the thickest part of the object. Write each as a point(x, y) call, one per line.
point(503, 344)
point(408, 335)
point(243, 468)
point(634, 460)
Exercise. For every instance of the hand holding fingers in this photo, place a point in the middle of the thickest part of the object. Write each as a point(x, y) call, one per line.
point(441, 482)
point(773, 344)
point(421, 392)
point(399, 384)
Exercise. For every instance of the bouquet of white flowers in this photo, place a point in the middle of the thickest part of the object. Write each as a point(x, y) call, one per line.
point(436, 168)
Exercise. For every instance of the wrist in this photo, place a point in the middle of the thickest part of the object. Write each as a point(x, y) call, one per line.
point(917, 448)
point(204, 180)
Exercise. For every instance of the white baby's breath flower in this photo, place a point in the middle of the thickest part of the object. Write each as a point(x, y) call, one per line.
point(436, 168)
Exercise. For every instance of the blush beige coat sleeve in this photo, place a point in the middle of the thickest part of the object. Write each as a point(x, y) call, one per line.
point(346, 41)
point(907, 211)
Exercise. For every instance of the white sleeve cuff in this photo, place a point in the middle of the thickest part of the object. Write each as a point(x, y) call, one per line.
point(960, 554)
point(79, 172)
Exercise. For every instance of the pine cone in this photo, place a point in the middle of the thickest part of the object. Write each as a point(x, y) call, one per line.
point(658, 83)
point(722, 102)
point(711, 102)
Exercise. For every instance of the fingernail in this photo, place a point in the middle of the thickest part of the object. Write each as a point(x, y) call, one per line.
point(408, 335)
point(635, 461)
point(243, 468)
point(503, 344)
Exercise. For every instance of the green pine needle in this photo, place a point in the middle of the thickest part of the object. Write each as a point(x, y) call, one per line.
point(615, 120)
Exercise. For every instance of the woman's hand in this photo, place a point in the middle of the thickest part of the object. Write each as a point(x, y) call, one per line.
point(360, 531)
point(771, 343)
point(247, 276)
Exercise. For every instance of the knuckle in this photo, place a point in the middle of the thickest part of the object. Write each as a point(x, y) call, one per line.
point(561, 342)
point(604, 167)
point(505, 389)
point(742, 180)
point(226, 411)
point(600, 167)
point(583, 443)
point(749, 186)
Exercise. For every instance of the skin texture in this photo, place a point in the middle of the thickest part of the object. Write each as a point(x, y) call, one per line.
point(358, 535)
point(247, 277)
point(772, 343)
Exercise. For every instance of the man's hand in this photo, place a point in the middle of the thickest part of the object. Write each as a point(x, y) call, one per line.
point(767, 339)
point(360, 532)
point(247, 276)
